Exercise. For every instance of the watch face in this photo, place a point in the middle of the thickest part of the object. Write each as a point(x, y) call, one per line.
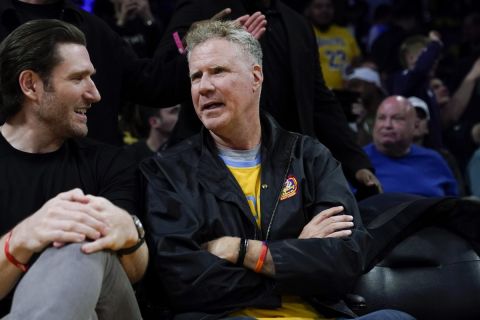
point(139, 226)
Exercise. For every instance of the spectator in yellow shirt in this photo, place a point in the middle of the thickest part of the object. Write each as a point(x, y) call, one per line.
point(337, 48)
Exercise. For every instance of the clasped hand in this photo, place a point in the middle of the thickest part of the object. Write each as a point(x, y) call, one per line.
point(73, 216)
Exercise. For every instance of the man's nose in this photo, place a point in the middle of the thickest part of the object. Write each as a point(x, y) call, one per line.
point(388, 122)
point(205, 85)
point(92, 93)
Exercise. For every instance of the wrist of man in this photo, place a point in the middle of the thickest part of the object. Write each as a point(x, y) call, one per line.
point(131, 249)
point(252, 253)
point(140, 238)
point(15, 252)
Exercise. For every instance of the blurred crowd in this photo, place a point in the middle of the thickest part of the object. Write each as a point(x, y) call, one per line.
point(368, 50)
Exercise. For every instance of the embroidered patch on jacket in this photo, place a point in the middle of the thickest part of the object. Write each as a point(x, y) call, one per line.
point(289, 188)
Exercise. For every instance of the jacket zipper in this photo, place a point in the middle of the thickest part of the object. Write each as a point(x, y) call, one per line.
point(278, 196)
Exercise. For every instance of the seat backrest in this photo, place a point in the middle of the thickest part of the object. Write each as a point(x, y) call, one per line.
point(432, 274)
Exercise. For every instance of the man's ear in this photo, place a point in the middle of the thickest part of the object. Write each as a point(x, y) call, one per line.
point(257, 77)
point(416, 123)
point(30, 83)
point(154, 122)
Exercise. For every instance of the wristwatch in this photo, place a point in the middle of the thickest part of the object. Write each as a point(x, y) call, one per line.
point(141, 238)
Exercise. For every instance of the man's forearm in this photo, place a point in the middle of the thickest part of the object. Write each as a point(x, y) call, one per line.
point(135, 264)
point(228, 248)
point(458, 103)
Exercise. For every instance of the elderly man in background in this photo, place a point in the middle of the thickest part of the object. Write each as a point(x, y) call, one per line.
point(401, 165)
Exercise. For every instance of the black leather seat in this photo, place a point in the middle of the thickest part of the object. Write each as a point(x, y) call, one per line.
point(432, 274)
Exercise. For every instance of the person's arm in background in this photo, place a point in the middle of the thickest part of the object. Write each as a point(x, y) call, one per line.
point(454, 109)
point(409, 81)
point(153, 27)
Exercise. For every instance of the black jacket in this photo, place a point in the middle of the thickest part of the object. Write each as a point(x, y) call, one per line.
point(120, 76)
point(318, 111)
point(193, 198)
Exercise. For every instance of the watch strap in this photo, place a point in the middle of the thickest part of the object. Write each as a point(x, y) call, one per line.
point(141, 238)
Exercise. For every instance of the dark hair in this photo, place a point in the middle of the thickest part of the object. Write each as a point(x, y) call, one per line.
point(32, 46)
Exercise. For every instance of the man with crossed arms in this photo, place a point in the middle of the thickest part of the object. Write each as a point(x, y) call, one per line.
point(245, 218)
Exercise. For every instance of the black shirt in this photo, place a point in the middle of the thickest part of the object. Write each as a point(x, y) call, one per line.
point(29, 180)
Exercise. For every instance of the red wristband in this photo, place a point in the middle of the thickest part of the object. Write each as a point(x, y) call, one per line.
point(10, 258)
point(261, 258)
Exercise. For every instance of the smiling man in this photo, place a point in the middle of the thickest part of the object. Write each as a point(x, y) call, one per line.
point(70, 244)
point(244, 214)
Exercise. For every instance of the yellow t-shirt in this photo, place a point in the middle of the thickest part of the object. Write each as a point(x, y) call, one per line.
point(248, 175)
point(337, 48)
point(293, 308)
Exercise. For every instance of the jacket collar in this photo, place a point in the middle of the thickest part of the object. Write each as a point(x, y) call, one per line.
point(276, 151)
point(271, 132)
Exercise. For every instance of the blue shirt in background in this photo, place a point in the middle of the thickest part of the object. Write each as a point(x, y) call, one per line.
point(422, 172)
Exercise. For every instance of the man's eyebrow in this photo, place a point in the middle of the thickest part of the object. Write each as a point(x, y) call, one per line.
point(83, 73)
point(219, 68)
point(195, 74)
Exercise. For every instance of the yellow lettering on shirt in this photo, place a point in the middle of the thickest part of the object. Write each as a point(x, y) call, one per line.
point(337, 48)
